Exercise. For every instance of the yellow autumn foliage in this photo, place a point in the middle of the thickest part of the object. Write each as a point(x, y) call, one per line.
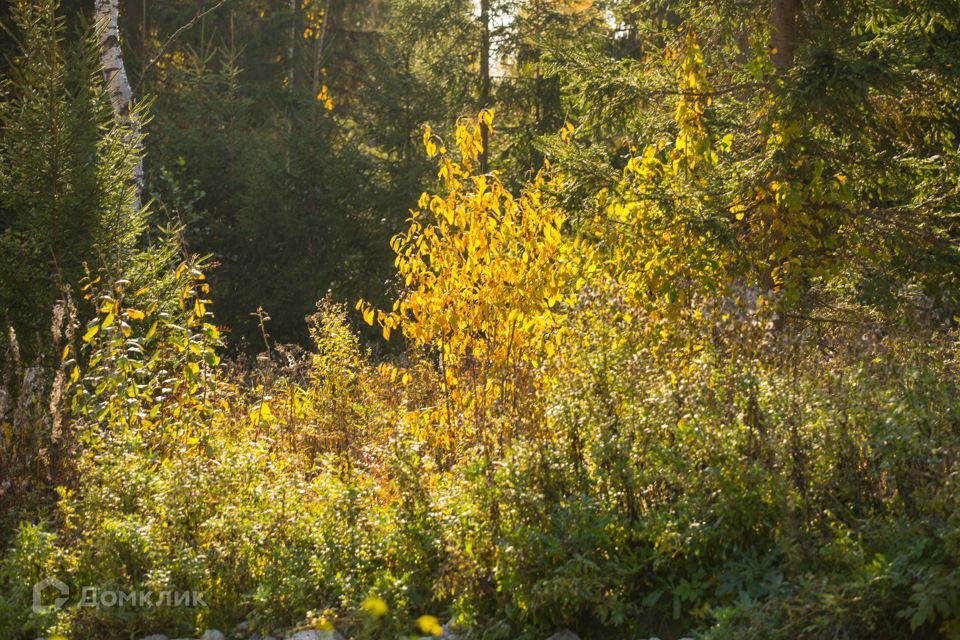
point(486, 277)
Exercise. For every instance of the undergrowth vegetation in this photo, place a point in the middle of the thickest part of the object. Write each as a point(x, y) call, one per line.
point(551, 451)
point(695, 376)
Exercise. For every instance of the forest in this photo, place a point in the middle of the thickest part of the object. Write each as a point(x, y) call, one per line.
point(480, 319)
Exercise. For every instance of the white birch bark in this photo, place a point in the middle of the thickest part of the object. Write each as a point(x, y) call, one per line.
point(107, 13)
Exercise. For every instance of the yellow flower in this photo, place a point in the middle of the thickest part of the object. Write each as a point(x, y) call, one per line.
point(429, 624)
point(377, 607)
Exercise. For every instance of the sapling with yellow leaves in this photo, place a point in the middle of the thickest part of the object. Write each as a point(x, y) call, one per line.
point(144, 366)
point(485, 276)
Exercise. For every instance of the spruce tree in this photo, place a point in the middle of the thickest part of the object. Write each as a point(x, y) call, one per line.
point(66, 168)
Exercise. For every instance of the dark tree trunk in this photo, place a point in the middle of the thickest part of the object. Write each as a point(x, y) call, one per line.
point(484, 80)
point(783, 27)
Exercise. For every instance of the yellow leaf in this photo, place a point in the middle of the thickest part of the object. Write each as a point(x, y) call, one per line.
point(323, 625)
point(368, 315)
point(428, 143)
point(135, 314)
point(726, 142)
point(92, 331)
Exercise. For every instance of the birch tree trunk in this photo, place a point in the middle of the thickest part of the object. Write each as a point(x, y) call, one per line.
point(107, 13)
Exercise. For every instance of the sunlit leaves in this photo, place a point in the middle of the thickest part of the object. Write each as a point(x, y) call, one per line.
point(485, 275)
point(91, 331)
point(323, 97)
point(428, 144)
point(142, 364)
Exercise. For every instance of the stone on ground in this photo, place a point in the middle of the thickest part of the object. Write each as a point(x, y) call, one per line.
point(314, 634)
